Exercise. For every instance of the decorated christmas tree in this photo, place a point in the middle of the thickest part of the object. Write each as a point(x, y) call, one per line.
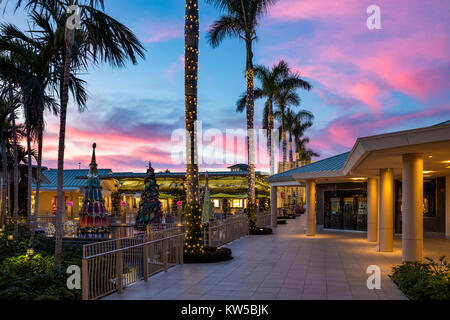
point(93, 216)
point(150, 210)
point(207, 208)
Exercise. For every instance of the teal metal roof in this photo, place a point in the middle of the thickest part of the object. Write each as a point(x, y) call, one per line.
point(330, 164)
point(70, 178)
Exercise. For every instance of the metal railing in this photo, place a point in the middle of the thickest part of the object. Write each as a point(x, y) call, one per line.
point(110, 266)
point(263, 220)
point(220, 232)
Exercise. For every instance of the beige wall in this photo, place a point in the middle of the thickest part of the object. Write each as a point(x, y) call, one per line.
point(45, 202)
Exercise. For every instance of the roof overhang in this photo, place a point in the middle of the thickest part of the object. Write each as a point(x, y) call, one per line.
point(371, 154)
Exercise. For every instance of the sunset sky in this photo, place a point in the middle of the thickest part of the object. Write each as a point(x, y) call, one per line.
point(365, 81)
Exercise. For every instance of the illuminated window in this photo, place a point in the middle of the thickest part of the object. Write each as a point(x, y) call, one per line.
point(237, 203)
point(216, 203)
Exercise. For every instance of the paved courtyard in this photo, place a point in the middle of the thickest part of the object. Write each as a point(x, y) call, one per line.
point(284, 266)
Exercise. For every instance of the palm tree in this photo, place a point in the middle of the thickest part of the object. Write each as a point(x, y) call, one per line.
point(100, 39)
point(272, 82)
point(241, 20)
point(296, 124)
point(5, 125)
point(193, 211)
point(36, 52)
point(8, 96)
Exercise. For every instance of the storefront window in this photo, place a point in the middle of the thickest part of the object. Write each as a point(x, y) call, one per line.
point(237, 203)
point(216, 203)
point(345, 209)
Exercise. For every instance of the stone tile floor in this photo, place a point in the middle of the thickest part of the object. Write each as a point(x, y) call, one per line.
point(284, 266)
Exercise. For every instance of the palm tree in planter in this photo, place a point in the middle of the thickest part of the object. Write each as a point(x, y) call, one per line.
point(193, 212)
point(241, 20)
point(100, 38)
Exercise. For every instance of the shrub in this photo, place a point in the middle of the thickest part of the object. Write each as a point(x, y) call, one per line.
point(209, 256)
point(261, 231)
point(33, 278)
point(424, 281)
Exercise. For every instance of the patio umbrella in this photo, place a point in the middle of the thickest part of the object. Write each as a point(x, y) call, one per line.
point(207, 208)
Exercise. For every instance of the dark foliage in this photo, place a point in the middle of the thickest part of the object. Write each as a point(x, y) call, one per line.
point(424, 281)
point(210, 255)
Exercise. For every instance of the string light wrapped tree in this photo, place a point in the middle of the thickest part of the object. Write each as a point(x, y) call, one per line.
point(150, 209)
point(93, 216)
point(193, 212)
point(241, 20)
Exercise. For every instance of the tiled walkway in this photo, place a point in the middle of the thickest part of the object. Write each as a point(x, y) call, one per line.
point(285, 266)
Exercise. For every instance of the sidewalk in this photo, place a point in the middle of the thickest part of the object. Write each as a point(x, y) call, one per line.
point(286, 266)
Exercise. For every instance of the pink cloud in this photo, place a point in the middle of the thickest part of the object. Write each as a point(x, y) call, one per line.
point(161, 31)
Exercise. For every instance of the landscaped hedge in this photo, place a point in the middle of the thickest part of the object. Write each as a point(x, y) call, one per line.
point(209, 256)
point(32, 277)
point(261, 231)
point(424, 281)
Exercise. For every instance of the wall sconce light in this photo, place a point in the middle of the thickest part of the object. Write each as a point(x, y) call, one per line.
point(10, 237)
point(430, 155)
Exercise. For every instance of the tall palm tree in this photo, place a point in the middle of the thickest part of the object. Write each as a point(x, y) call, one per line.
point(36, 51)
point(296, 124)
point(100, 39)
point(273, 80)
point(193, 211)
point(241, 20)
point(5, 125)
point(7, 87)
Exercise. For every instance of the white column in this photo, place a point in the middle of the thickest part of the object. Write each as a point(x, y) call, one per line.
point(273, 206)
point(386, 213)
point(310, 208)
point(447, 207)
point(412, 203)
point(372, 210)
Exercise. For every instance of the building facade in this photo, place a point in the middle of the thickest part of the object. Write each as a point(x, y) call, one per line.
point(122, 190)
point(395, 183)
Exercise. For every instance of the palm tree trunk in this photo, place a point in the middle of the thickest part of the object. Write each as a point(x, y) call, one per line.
point(30, 177)
point(60, 202)
point(38, 179)
point(193, 211)
point(9, 197)
point(4, 181)
point(250, 75)
point(269, 137)
point(291, 165)
point(284, 141)
point(15, 165)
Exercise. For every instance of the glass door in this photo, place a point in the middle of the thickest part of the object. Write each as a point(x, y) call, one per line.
point(349, 214)
point(336, 213)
